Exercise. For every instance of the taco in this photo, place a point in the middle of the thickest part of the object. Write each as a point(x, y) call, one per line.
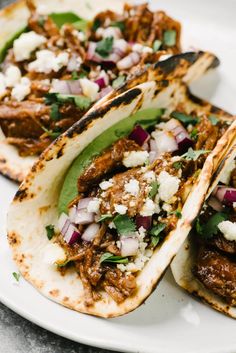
point(55, 66)
point(205, 265)
point(111, 200)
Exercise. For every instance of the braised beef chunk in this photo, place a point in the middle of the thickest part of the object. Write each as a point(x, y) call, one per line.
point(29, 147)
point(208, 134)
point(220, 243)
point(233, 178)
point(217, 272)
point(110, 160)
point(23, 119)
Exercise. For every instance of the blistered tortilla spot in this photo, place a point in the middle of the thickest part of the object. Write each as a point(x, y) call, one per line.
point(54, 292)
point(21, 194)
point(60, 152)
point(14, 239)
point(44, 209)
point(65, 299)
point(3, 160)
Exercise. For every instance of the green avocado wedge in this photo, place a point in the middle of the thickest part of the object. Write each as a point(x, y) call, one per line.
point(146, 118)
point(60, 18)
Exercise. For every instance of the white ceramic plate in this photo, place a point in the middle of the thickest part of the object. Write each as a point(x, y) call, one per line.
point(170, 321)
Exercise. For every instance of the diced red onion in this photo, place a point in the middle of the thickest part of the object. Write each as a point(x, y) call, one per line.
point(84, 217)
point(67, 229)
point(143, 221)
point(101, 82)
point(128, 61)
point(129, 246)
point(165, 142)
point(180, 133)
point(215, 204)
point(67, 86)
point(225, 194)
point(90, 232)
point(71, 235)
point(145, 146)
point(105, 91)
point(153, 155)
point(83, 203)
point(139, 135)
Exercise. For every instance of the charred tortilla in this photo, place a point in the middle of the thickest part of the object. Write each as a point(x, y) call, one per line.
point(205, 264)
point(54, 265)
point(30, 117)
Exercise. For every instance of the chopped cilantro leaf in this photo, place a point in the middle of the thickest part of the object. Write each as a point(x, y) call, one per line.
point(198, 226)
point(108, 257)
point(211, 227)
point(213, 119)
point(16, 276)
point(155, 233)
point(81, 25)
point(119, 24)
point(118, 81)
point(55, 113)
point(82, 102)
point(193, 155)
point(124, 224)
point(50, 231)
point(157, 44)
point(52, 134)
point(169, 38)
point(178, 214)
point(104, 47)
point(104, 217)
point(184, 118)
point(154, 189)
point(96, 24)
point(50, 98)
point(194, 134)
point(177, 165)
point(74, 75)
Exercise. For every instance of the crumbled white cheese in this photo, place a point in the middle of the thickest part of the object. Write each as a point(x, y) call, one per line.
point(139, 48)
point(94, 205)
point(111, 225)
point(114, 32)
point(12, 76)
point(2, 85)
point(149, 208)
point(228, 229)
point(132, 187)
point(47, 61)
point(225, 176)
point(169, 186)
point(104, 185)
point(234, 204)
point(166, 207)
point(26, 44)
point(90, 89)
point(21, 89)
point(150, 176)
point(121, 209)
point(135, 158)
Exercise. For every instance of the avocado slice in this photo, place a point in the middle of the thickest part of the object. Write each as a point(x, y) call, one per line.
point(146, 118)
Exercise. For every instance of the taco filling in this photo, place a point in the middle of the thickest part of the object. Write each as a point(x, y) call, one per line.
point(119, 203)
point(215, 237)
point(61, 64)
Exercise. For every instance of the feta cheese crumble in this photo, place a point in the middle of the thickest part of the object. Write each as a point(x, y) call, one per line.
point(169, 186)
point(121, 209)
point(135, 158)
point(228, 229)
point(149, 208)
point(21, 89)
point(132, 187)
point(90, 89)
point(12, 76)
point(94, 205)
point(104, 185)
point(47, 61)
point(3, 90)
point(26, 44)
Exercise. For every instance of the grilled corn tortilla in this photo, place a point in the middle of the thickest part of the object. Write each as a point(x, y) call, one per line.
point(39, 197)
point(20, 149)
point(218, 291)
